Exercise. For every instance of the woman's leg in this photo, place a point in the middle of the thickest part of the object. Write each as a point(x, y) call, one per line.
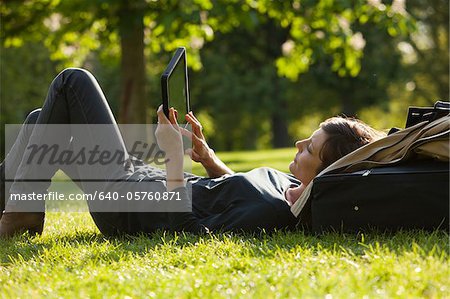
point(74, 97)
point(14, 156)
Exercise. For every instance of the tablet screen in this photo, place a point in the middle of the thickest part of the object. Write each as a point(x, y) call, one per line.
point(175, 86)
point(177, 90)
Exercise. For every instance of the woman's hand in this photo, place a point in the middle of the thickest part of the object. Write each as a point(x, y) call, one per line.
point(200, 151)
point(169, 139)
point(168, 135)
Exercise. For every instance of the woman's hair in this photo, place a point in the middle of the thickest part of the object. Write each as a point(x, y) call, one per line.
point(344, 136)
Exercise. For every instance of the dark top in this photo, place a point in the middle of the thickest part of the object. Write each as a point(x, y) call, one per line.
point(248, 201)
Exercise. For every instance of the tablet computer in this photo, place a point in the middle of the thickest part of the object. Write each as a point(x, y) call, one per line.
point(175, 85)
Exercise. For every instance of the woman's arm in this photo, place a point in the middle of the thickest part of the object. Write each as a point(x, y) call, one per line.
point(214, 166)
point(169, 139)
point(201, 152)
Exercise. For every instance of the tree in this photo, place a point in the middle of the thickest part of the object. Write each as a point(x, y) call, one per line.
point(292, 37)
point(71, 29)
point(331, 43)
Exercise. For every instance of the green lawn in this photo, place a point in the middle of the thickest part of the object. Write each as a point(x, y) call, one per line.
point(72, 259)
point(247, 160)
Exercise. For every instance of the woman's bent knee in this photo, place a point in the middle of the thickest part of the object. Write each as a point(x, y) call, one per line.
point(76, 73)
point(32, 116)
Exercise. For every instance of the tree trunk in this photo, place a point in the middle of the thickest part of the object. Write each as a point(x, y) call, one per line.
point(280, 131)
point(279, 116)
point(133, 101)
point(274, 37)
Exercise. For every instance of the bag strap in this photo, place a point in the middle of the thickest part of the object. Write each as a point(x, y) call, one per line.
point(420, 114)
point(440, 105)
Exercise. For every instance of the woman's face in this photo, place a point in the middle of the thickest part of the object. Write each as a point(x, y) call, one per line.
point(307, 161)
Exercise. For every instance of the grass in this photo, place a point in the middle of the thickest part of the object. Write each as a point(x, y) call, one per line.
point(72, 259)
point(247, 160)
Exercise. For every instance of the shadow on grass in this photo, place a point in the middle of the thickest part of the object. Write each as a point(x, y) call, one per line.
point(25, 247)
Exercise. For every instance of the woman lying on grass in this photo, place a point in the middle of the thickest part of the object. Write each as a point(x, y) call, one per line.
point(227, 201)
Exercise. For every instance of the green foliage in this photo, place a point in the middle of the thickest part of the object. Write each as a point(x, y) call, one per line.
point(341, 56)
point(22, 95)
point(26, 73)
point(426, 52)
point(316, 29)
point(234, 85)
point(329, 28)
